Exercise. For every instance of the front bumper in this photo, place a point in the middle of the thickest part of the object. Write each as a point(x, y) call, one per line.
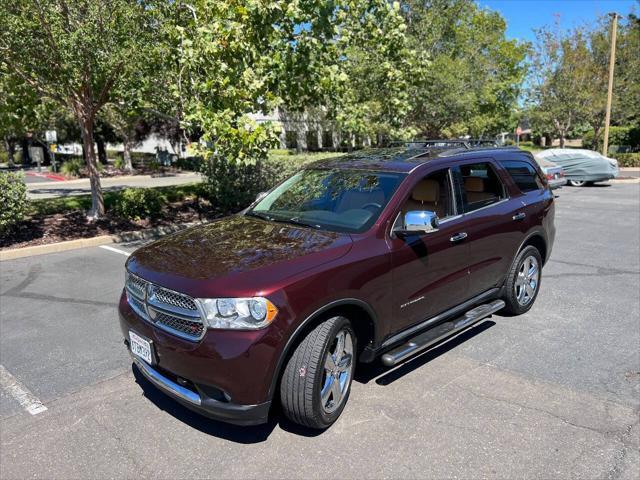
point(227, 375)
point(199, 402)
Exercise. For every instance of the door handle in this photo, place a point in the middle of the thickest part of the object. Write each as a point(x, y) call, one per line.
point(519, 216)
point(458, 237)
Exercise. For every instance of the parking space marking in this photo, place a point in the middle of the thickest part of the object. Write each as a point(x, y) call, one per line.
point(116, 250)
point(28, 400)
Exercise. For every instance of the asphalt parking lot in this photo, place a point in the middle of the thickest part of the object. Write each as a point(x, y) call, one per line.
point(551, 394)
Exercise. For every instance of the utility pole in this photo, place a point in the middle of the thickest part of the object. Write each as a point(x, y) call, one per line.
point(612, 62)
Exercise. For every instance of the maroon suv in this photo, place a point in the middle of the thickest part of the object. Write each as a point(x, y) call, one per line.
point(377, 254)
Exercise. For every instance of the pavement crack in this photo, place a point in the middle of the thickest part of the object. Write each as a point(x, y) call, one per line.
point(540, 410)
point(51, 298)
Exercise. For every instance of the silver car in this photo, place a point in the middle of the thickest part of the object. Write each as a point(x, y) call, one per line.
point(553, 173)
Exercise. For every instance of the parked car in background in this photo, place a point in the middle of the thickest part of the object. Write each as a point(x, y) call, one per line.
point(553, 173)
point(581, 167)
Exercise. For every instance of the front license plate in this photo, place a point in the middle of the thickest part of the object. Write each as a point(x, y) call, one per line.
point(140, 347)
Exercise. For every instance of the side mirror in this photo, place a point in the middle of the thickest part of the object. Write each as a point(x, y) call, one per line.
point(260, 196)
point(419, 221)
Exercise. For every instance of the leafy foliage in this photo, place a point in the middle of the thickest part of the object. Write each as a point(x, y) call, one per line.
point(570, 76)
point(138, 203)
point(627, 159)
point(79, 54)
point(72, 167)
point(13, 201)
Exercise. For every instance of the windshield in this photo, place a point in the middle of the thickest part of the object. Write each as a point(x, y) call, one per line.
point(339, 200)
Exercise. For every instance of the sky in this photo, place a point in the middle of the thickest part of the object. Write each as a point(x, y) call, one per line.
point(523, 16)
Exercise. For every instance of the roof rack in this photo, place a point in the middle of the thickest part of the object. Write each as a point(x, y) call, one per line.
point(432, 143)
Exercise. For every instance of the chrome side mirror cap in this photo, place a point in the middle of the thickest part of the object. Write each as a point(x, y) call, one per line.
point(420, 221)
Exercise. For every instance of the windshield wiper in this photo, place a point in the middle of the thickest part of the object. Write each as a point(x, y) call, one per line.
point(297, 221)
point(294, 220)
point(260, 215)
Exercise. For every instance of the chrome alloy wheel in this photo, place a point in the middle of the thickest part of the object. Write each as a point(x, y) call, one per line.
point(338, 368)
point(528, 279)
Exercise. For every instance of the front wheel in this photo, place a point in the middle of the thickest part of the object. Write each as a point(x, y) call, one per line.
point(316, 382)
point(523, 282)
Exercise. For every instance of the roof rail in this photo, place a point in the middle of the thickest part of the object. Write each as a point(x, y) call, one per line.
point(431, 143)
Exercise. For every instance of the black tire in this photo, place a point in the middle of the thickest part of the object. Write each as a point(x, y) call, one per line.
point(514, 306)
point(305, 375)
point(577, 183)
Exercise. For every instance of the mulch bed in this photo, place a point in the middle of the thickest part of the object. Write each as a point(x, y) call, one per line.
point(44, 229)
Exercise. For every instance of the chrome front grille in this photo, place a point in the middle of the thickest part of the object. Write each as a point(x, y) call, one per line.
point(182, 325)
point(174, 298)
point(171, 311)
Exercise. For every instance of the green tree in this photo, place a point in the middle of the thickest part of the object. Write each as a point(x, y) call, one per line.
point(626, 101)
point(561, 81)
point(368, 72)
point(77, 53)
point(471, 73)
point(231, 59)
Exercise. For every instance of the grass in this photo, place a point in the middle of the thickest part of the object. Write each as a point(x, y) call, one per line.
point(530, 148)
point(51, 206)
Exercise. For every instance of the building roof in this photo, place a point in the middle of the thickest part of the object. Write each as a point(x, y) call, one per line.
point(400, 159)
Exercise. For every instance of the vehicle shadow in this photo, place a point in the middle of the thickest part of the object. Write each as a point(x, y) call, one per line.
point(387, 375)
point(234, 433)
point(260, 433)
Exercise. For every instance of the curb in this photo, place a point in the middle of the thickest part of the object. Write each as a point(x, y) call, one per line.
point(149, 234)
point(625, 180)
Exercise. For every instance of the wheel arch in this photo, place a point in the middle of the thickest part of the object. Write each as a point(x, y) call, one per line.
point(351, 308)
point(538, 241)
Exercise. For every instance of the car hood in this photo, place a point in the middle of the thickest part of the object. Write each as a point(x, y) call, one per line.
point(236, 255)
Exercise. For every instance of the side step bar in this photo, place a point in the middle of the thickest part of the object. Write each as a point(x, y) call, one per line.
point(439, 332)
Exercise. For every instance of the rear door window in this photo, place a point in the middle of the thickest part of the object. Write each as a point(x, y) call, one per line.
point(524, 175)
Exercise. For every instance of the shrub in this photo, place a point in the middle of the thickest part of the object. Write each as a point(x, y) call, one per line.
point(72, 167)
point(137, 203)
point(119, 163)
point(13, 201)
point(192, 164)
point(618, 136)
point(232, 185)
point(627, 159)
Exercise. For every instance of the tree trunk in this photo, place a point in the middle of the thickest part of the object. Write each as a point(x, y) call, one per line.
point(86, 129)
point(126, 155)
point(562, 140)
point(26, 157)
point(102, 151)
point(9, 145)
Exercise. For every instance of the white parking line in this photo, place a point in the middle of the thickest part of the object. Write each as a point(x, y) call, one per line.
point(111, 249)
point(28, 400)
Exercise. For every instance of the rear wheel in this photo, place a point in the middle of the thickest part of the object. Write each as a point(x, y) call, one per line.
point(316, 382)
point(577, 183)
point(523, 281)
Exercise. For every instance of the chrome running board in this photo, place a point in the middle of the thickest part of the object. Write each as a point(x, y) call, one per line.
point(439, 332)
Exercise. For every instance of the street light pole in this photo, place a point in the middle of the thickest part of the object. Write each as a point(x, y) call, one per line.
point(612, 62)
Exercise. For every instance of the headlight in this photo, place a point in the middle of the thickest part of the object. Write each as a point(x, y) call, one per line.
point(238, 313)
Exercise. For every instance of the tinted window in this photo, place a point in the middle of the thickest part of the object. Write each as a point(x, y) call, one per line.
point(481, 185)
point(524, 175)
point(341, 200)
